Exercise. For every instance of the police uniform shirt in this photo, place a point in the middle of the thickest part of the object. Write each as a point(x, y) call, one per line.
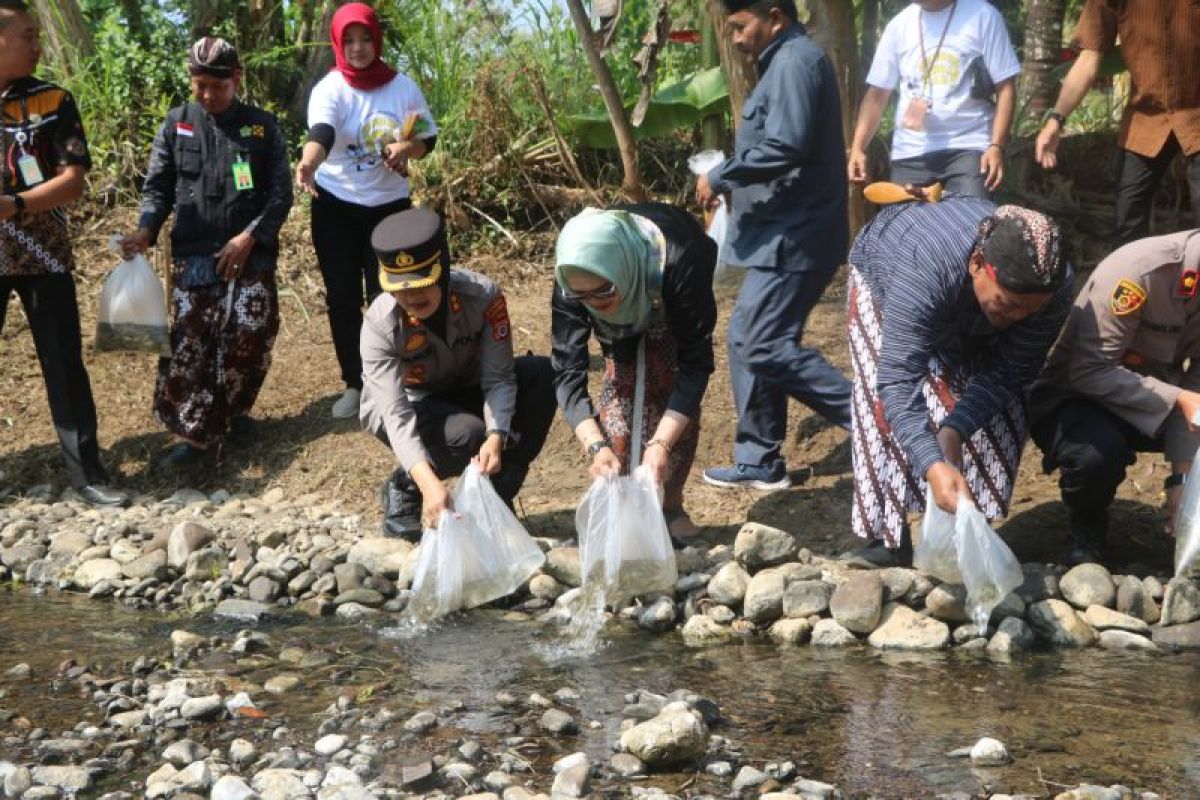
point(40, 121)
point(403, 361)
point(1132, 341)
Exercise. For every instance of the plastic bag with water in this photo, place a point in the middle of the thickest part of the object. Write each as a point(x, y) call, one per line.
point(478, 553)
point(133, 309)
point(727, 280)
point(1187, 527)
point(988, 567)
point(625, 550)
point(937, 552)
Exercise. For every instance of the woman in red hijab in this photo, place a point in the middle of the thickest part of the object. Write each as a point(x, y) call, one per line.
point(366, 121)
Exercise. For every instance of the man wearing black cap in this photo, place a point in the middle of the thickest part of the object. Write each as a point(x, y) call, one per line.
point(1124, 378)
point(440, 384)
point(952, 309)
point(221, 166)
point(788, 230)
point(43, 159)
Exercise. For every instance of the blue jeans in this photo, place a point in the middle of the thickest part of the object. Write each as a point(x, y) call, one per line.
point(767, 364)
point(957, 171)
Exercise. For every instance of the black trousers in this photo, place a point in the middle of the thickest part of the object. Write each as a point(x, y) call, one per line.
point(452, 429)
point(1092, 447)
point(1137, 184)
point(341, 234)
point(49, 302)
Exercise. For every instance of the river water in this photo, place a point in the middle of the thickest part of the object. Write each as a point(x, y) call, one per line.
point(865, 721)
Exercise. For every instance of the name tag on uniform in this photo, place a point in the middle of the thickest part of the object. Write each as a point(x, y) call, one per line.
point(31, 172)
point(243, 180)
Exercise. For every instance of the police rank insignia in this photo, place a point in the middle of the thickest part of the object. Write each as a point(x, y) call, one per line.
point(416, 341)
point(1127, 298)
point(1189, 282)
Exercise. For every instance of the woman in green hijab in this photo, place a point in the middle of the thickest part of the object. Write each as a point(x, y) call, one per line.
point(640, 278)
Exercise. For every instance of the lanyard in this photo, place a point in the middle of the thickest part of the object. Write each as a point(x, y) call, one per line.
point(924, 56)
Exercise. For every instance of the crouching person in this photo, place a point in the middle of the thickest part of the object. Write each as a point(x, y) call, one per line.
point(1123, 379)
point(640, 278)
point(440, 384)
point(952, 309)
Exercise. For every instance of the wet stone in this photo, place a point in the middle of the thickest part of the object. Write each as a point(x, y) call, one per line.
point(763, 600)
point(559, 723)
point(1124, 640)
point(562, 564)
point(658, 616)
point(1088, 585)
point(1060, 625)
point(1103, 619)
point(702, 630)
point(758, 546)
point(627, 765)
point(948, 602)
point(1012, 635)
point(676, 735)
point(571, 782)
point(1134, 600)
point(989, 752)
point(904, 629)
point(1181, 602)
point(728, 585)
point(858, 603)
point(365, 597)
point(329, 744)
point(748, 777)
point(828, 633)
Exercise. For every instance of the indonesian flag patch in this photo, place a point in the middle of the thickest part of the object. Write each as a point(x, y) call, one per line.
point(1127, 298)
point(184, 129)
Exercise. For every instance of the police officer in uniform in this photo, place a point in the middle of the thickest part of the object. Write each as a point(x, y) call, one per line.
point(440, 384)
point(1124, 378)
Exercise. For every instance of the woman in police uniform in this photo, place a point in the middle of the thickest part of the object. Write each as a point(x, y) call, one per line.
point(221, 166)
point(440, 384)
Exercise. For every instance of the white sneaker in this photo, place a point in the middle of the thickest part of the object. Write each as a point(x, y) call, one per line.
point(346, 406)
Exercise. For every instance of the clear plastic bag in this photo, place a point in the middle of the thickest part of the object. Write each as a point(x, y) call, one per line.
point(937, 552)
point(133, 309)
point(727, 280)
point(476, 554)
point(625, 550)
point(1187, 528)
point(988, 567)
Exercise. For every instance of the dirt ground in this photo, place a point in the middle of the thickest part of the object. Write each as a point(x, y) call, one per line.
point(303, 449)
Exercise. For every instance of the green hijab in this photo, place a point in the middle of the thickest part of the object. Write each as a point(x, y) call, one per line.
point(611, 245)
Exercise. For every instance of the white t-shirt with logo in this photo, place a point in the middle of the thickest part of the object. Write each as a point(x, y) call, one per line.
point(955, 121)
point(364, 121)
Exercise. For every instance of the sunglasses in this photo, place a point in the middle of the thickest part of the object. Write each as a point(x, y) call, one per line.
point(606, 292)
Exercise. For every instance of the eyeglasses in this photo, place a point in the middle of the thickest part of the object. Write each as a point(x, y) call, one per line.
point(606, 292)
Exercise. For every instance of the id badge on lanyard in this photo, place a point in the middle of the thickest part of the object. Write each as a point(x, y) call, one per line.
point(27, 163)
point(243, 178)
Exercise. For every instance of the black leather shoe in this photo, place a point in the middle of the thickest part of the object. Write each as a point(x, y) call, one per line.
point(182, 457)
point(243, 430)
point(1086, 538)
point(401, 502)
point(875, 554)
point(102, 496)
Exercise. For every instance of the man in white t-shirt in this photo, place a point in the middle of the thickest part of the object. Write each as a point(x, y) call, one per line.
point(947, 58)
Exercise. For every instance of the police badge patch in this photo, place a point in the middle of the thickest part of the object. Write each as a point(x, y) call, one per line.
point(1127, 298)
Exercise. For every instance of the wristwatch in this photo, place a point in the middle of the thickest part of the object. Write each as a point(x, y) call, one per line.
point(18, 205)
point(597, 446)
point(1061, 119)
point(502, 434)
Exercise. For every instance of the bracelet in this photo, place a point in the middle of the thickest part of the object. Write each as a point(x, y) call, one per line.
point(661, 443)
point(1061, 119)
point(1176, 479)
point(597, 446)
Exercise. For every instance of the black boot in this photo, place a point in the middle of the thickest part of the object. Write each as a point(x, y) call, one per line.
point(1086, 539)
point(401, 501)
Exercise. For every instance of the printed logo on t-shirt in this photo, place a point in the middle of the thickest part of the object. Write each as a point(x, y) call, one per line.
point(378, 131)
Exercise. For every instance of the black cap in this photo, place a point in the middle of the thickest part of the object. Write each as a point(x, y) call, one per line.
point(212, 55)
point(411, 248)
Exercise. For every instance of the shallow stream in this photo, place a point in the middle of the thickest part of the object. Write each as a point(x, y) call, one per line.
point(864, 721)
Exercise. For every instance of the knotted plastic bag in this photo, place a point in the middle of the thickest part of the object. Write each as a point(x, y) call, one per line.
point(133, 309)
point(625, 550)
point(937, 552)
point(988, 567)
point(727, 280)
point(477, 553)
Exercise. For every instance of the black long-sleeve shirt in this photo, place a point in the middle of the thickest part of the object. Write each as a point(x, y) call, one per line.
point(688, 305)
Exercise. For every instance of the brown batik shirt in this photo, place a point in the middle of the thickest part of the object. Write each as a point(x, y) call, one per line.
point(39, 120)
point(1160, 42)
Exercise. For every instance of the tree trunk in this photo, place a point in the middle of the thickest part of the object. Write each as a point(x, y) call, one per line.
point(831, 25)
point(632, 185)
point(312, 41)
point(870, 34)
point(67, 33)
point(740, 74)
point(1043, 49)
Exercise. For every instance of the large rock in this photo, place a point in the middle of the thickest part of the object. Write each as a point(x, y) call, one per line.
point(18, 557)
point(701, 629)
point(380, 555)
point(1058, 623)
point(349, 576)
point(70, 543)
point(948, 602)
point(571, 782)
point(1115, 639)
point(988, 752)
point(904, 629)
point(1103, 619)
point(231, 787)
point(758, 546)
point(71, 780)
point(677, 735)
point(1181, 603)
point(764, 596)
point(1134, 600)
point(1087, 791)
point(245, 610)
point(151, 565)
point(280, 783)
point(790, 631)
point(1185, 636)
point(828, 633)
point(728, 586)
point(562, 564)
point(803, 599)
point(92, 572)
point(858, 602)
point(185, 539)
point(1088, 585)
point(206, 564)
point(658, 616)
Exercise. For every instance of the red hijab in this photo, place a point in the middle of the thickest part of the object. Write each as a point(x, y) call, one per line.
point(378, 73)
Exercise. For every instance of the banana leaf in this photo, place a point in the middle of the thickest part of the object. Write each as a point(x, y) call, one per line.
point(679, 105)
